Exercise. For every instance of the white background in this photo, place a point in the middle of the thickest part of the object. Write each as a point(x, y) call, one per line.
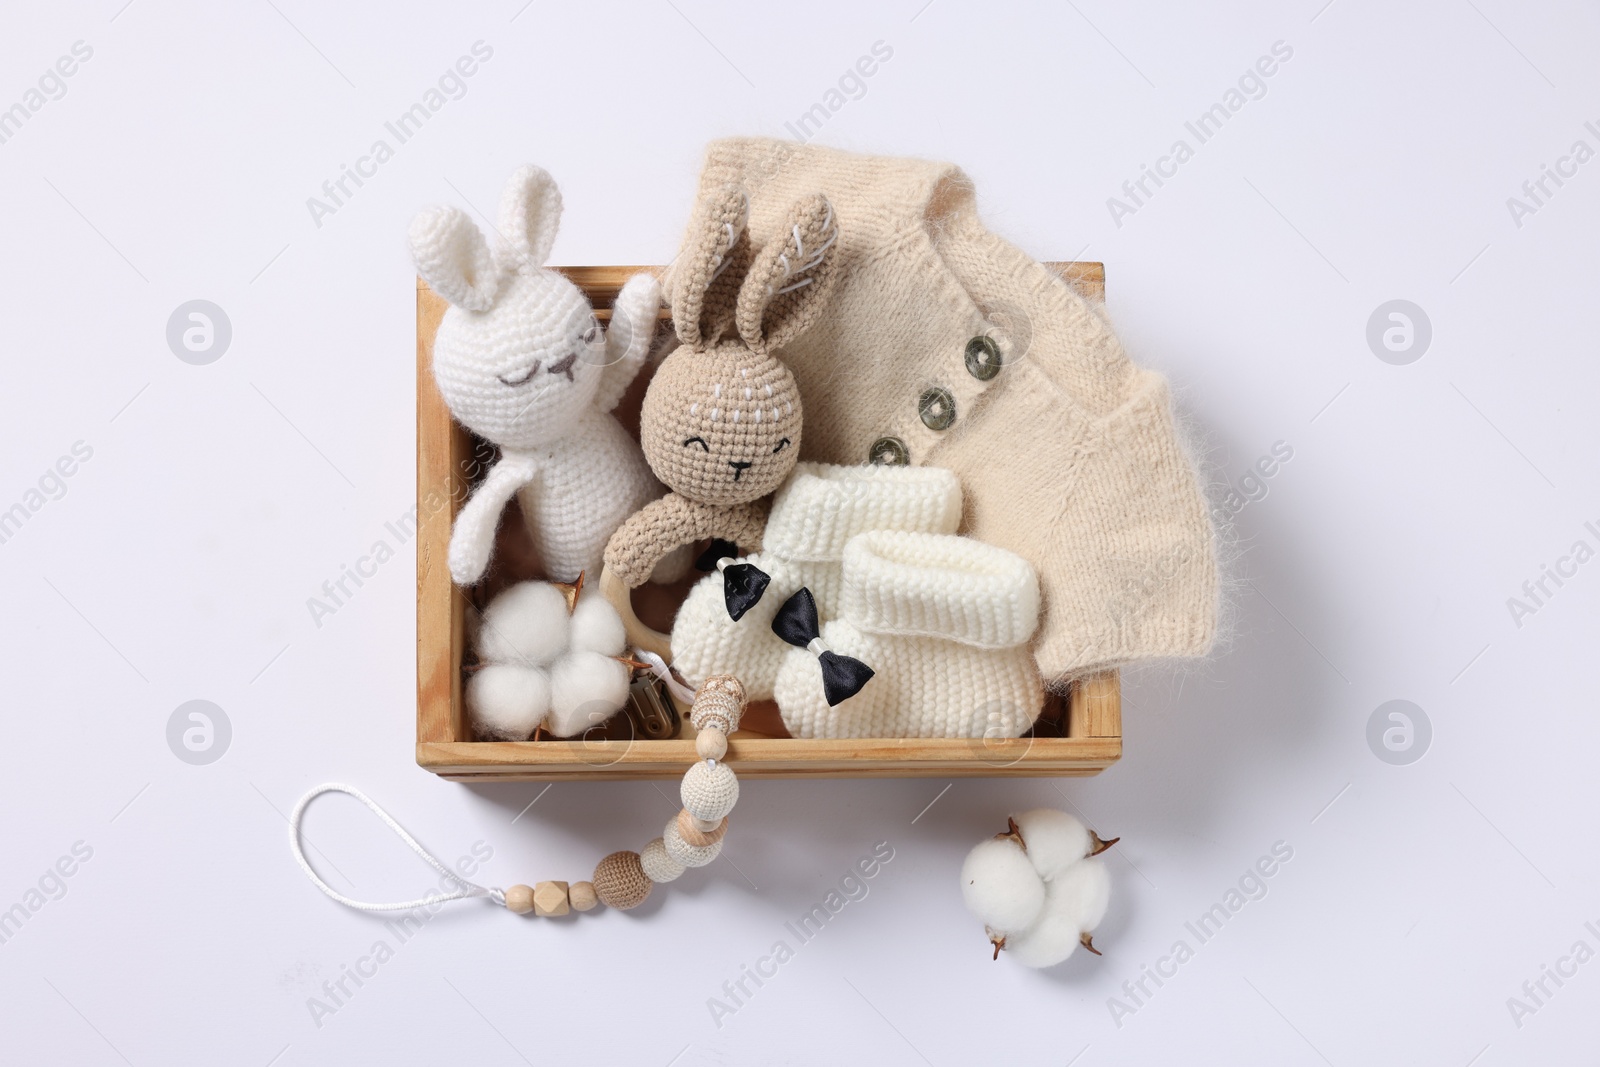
point(1419, 498)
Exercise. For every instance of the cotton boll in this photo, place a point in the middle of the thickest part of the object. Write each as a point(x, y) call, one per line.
point(1087, 885)
point(1053, 937)
point(1000, 885)
point(506, 703)
point(596, 627)
point(526, 624)
point(1055, 840)
point(1075, 902)
point(586, 689)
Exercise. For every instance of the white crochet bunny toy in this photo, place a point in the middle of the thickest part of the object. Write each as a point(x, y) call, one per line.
point(522, 362)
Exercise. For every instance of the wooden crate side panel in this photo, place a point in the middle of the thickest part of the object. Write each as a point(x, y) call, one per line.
point(1094, 706)
point(1093, 715)
point(440, 618)
point(785, 757)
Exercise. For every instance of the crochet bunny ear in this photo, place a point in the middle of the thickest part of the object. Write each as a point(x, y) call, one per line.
point(453, 258)
point(706, 276)
point(530, 215)
point(791, 278)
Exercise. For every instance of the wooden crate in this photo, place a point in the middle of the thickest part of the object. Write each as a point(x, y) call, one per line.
point(1079, 735)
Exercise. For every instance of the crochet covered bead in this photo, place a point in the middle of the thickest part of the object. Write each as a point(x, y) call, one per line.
point(658, 864)
point(709, 790)
point(718, 704)
point(685, 853)
point(620, 882)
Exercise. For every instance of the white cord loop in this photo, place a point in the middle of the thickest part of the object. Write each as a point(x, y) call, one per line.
point(659, 668)
point(467, 890)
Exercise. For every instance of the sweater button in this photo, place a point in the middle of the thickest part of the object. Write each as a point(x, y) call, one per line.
point(889, 452)
point(937, 408)
point(983, 358)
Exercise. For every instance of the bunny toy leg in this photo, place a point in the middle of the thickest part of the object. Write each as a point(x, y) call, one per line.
point(472, 540)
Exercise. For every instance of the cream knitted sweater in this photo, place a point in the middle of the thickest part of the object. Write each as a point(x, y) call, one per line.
point(944, 345)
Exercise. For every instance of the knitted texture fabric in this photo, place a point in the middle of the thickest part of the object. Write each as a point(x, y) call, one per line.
point(721, 420)
point(709, 790)
point(944, 621)
point(620, 882)
point(521, 361)
point(925, 585)
point(725, 407)
point(813, 516)
point(653, 531)
point(946, 346)
point(685, 853)
point(719, 704)
point(657, 864)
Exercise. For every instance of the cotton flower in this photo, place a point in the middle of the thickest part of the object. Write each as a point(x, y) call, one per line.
point(1038, 888)
point(547, 655)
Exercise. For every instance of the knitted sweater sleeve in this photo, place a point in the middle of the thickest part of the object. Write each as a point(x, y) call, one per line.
point(662, 525)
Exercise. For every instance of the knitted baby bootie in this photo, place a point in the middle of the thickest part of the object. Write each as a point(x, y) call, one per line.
point(813, 516)
point(945, 623)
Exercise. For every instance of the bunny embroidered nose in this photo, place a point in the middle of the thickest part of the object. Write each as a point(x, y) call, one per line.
point(564, 365)
point(739, 467)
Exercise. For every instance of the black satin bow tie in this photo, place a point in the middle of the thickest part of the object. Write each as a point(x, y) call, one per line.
point(718, 550)
point(742, 583)
point(796, 623)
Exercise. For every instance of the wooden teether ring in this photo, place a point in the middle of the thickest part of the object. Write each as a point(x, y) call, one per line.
point(621, 597)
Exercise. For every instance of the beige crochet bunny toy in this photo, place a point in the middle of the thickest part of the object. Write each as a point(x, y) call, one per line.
point(721, 420)
point(522, 363)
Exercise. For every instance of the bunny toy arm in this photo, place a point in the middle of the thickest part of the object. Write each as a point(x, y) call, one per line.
point(472, 540)
point(633, 327)
point(662, 525)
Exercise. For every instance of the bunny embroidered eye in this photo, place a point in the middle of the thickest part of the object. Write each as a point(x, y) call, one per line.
point(564, 365)
point(521, 379)
point(701, 441)
point(783, 444)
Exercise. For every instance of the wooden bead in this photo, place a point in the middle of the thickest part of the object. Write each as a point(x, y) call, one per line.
point(711, 744)
point(689, 829)
point(620, 882)
point(550, 898)
point(519, 898)
point(705, 826)
point(581, 896)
